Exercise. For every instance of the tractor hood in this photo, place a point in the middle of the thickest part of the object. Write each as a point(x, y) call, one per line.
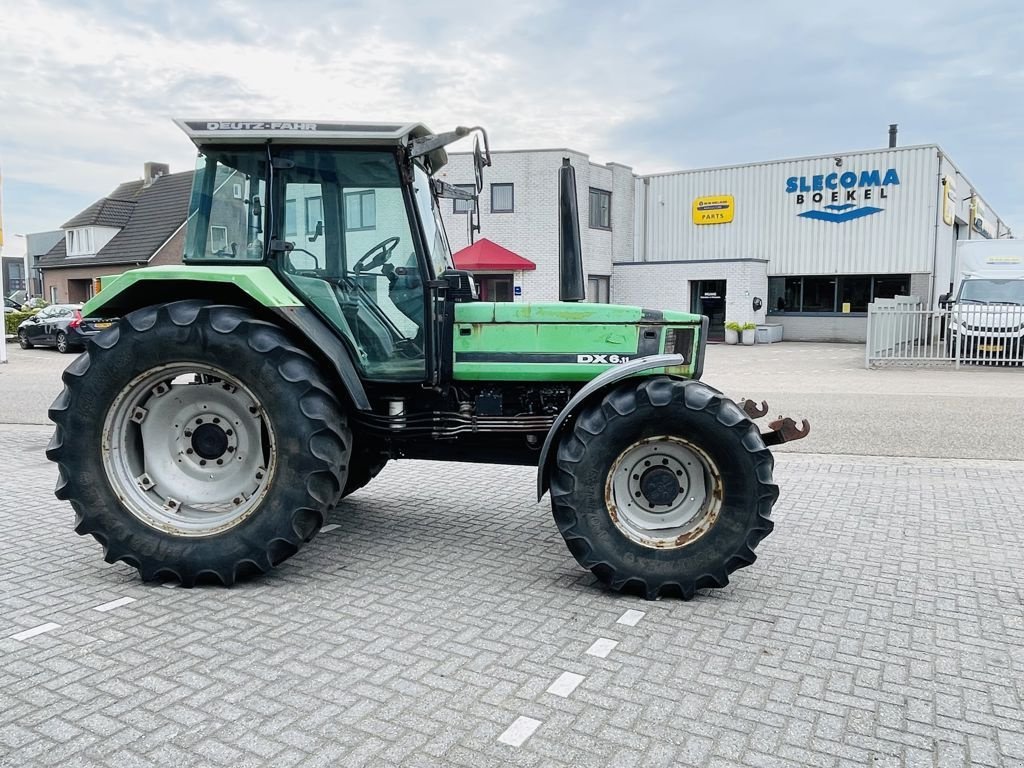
point(567, 312)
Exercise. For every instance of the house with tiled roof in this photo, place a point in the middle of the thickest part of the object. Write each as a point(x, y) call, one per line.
point(141, 223)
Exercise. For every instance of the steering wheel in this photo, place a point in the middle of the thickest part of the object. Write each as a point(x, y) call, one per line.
point(378, 255)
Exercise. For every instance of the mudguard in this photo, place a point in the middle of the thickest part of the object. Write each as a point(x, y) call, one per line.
point(598, 383)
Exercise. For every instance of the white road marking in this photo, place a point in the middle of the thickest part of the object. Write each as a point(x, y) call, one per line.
point(602, 647)
point(519, 731)
point(114, 604)
point(25, 635)
point(329, 528)
point(630, 618)
point(565, 684)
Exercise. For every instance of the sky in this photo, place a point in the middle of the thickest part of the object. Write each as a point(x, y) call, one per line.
point(88, 87)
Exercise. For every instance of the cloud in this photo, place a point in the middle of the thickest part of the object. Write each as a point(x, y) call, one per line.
point(89, 86)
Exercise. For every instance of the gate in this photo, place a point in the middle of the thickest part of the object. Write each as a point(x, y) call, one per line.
point(905, 331)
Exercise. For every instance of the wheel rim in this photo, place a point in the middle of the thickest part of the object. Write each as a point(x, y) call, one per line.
point(663, 492)
point(188, 449)
point(62, 342)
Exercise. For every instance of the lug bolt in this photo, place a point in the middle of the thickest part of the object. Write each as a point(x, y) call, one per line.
point(259, 475)
point(220, 461)
point(231, 449)
point(188, 433)
point(202, 462)
point(188, 451)
point(229, 432)
point(199, 421)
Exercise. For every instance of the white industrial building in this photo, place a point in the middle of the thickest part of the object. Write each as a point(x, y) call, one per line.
point(806, 242)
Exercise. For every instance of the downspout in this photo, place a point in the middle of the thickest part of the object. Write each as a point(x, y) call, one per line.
point(647, 214)
point(935, 232)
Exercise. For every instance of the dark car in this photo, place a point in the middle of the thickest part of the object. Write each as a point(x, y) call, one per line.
point(60, 326)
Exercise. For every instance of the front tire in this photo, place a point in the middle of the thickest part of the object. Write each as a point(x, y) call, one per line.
point(196, 443)
point(23, 341)
point(362, 468)
point(663, 487)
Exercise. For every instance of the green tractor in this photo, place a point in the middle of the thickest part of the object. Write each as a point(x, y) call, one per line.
point(207, 434)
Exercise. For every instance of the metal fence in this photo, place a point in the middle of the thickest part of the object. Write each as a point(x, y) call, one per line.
point(905, 331)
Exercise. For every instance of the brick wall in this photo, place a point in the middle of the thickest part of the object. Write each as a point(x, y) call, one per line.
point(667, 285)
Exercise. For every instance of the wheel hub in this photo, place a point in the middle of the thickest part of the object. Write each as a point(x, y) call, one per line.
point(660, 486)
point(188, 449)
point(660, 492)
point(210, 441)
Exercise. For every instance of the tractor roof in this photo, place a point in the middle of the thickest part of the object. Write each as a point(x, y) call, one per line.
point(206, 132)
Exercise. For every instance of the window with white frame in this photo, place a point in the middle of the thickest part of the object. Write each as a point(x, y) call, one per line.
point(80, 242)
point(600, 209)
point(314, 213)
point(464, 206)
point(502, 198)
point(53, 294)
point(360, 210)
point(219, 240)
point(597, 289)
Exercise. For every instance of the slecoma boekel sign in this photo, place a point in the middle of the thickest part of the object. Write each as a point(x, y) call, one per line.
point(846, 196)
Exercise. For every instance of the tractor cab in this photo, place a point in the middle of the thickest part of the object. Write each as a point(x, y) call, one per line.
point(346, 215)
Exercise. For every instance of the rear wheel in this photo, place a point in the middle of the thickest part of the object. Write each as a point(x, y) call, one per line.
point(663, 487)
point(62, 343)
point(23, 341)
point(362, 468)
point(196, 443)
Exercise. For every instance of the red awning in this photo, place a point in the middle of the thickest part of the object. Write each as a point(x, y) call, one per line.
point(483, 255)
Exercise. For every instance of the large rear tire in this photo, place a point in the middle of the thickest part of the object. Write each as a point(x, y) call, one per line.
point(197, 443)
point(663, 487)
point(362, 468)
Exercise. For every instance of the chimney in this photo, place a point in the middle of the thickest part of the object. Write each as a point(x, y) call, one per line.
point(153, 171)
point(892, 135)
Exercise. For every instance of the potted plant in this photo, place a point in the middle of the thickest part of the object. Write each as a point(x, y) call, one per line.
point(749, 333)
point(732, 332)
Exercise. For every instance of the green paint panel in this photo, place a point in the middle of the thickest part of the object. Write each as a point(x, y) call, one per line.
point(507, 341)
point(258, 282)
point(560, 312)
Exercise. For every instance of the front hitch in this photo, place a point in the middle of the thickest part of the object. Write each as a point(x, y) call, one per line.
point(783, 429)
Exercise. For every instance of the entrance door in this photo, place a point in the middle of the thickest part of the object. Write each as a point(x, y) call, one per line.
point(79, 291)
point(707, 297)
point(495, 287)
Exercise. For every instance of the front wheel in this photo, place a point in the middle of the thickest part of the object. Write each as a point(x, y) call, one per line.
point(23, 341)
point(663, 487)
point(197, 443)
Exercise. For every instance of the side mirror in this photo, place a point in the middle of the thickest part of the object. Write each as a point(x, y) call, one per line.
point(318, 233)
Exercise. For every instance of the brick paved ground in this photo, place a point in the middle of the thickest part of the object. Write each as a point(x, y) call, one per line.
point(881, 626)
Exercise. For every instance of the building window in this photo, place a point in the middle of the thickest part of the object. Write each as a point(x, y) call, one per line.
point(291, 225)
point(502, 198)
point(314, 213)
point(80, 242)
point(53, 294)
point(822, 294)
point(219, 241)
point(360, 210)
point(597, 289)
point(600, 209)
point(464, 206)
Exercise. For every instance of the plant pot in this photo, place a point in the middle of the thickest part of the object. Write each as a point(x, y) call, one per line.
point(749, 336)
point(731, 336)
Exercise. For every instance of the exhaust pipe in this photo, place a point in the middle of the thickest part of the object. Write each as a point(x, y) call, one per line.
point(570, 251)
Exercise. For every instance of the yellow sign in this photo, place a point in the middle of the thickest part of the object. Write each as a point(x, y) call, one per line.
point(716, 209)
point(948, 200)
